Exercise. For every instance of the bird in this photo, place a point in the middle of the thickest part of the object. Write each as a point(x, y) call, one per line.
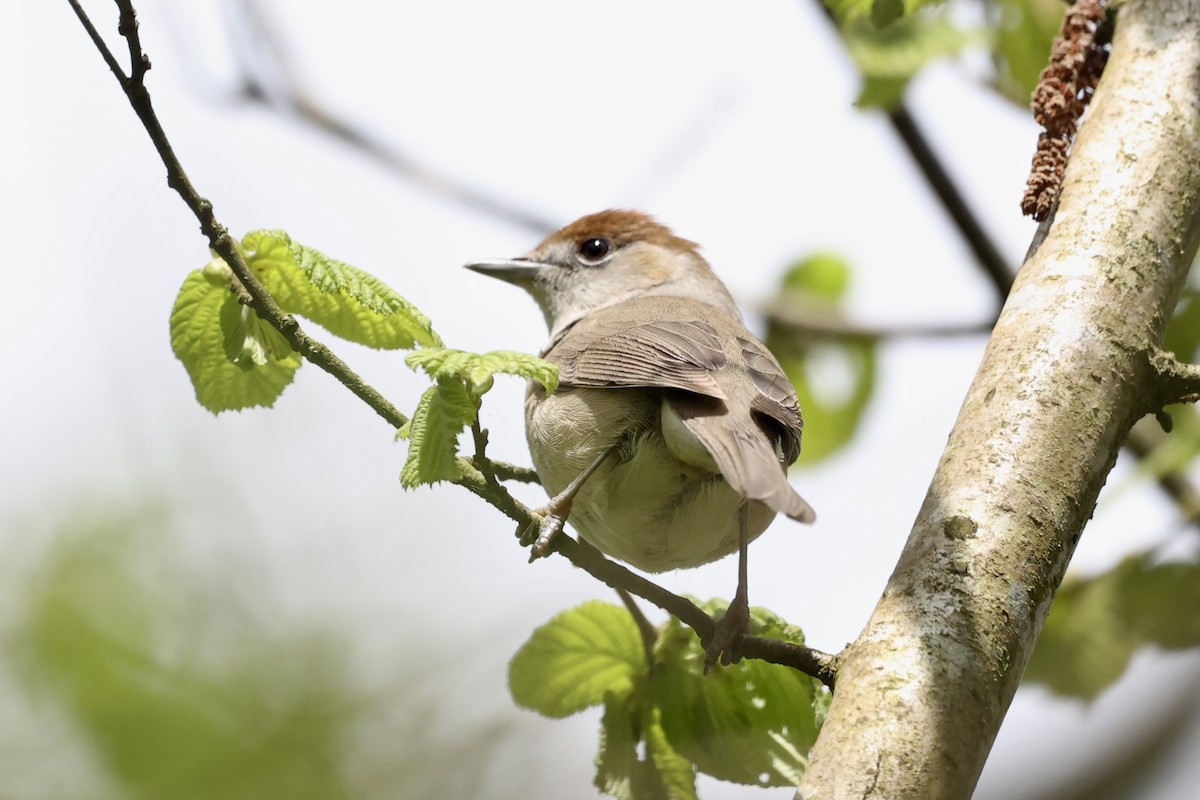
point(667, 441)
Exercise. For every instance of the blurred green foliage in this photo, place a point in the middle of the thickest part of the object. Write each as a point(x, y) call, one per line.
point(815, 286)
point(1096, 624)
point(180, 688)
point(891, 41)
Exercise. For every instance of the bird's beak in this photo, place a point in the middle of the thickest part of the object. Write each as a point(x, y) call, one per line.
point(520, 271)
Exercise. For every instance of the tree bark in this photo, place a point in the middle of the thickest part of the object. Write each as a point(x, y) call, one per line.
point(922, 692)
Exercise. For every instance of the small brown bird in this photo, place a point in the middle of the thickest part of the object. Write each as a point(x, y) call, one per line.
point(668, 439)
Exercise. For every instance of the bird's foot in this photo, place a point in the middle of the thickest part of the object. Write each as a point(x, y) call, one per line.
point(539, 536)
point(726, 643)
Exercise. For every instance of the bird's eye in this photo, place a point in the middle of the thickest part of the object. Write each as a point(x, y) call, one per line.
point(593, 251)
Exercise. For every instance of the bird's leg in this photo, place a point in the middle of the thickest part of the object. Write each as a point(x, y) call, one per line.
point(735, 623)
point(554, 514)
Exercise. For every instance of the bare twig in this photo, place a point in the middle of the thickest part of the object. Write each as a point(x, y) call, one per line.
point(646, 629)
point(287, 93)
point(987, 254)
point(821, 666)
point(804, 319)
point(478, 476)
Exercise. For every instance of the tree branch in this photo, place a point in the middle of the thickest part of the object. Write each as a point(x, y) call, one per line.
point(1177, 382)
point(988, 258)
point(479, 476)
point(806, 319)
point(922, 691)
point(987, 254)
point(288, 95)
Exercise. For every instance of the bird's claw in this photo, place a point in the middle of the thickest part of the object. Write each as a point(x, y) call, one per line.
point(540, 535)
point(726, 643)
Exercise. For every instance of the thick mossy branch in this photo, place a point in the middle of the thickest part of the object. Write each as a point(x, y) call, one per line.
point(1178, 382)
point(924, 688)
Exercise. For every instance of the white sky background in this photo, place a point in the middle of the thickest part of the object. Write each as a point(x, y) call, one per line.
point(566, 109)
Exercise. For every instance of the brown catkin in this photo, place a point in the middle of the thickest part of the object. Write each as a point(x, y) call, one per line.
point(1064, 89)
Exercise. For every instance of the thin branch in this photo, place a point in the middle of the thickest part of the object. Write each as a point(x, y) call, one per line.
point(987, 254)
point(288, 94)
point(804, 319)
point(134, 87)
point(821, 666)
point(646, 629)
point(512, 472)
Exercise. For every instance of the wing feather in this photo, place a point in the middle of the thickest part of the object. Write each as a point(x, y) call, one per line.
point(614, 351)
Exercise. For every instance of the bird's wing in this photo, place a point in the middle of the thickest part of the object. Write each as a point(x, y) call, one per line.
point(612, 349)
point(745, 456)
point(617, 348)
point(775, 397)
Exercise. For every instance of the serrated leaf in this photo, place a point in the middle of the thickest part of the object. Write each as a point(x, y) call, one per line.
point(676, 774)
point(751, 722)
point(233, 358)
point(477, 369)
point(662, 774)
point(1097, 624)
point(443, 412)
point(617, 757)
point(834, 378)
point(575, 659)
point(890, 56)
point(345, 300)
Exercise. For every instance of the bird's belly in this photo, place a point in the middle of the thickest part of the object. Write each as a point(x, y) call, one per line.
point(643, 506)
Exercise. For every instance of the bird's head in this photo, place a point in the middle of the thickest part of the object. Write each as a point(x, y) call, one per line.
point(606, 258)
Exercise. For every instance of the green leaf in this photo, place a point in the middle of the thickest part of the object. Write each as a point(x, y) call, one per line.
point(233, 358)
point(1183, 332)
point(662, 775)
point(881, 12)
point(575, 659)
point(344, 300)
point(617, 757)
point(1096, 625)
point(1174, 451)
point(443, 412)
point(751, 722)
point(889, 57)
point(1160, 603)
point(834, 378)
point(1022, 33)
point(477, 369)
point(676, 774)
